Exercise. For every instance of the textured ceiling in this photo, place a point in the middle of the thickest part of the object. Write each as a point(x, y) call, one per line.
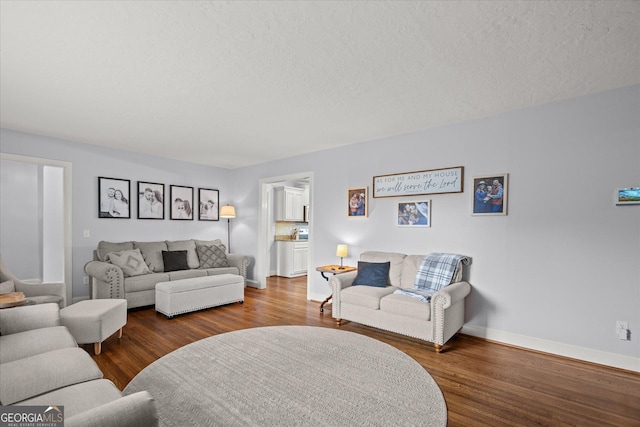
point(231, 83)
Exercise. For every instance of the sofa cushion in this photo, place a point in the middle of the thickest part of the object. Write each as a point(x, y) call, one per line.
point(396, 260)
point(105, 247)
point(131, 262)
point(45, 372)
point(403, 305)
point(78, 398)
point(365, 296)
point(212, 256)
point(152, 253)
point(216, 242)
point(7, 287)
point(186, 245)
point(372, 274)
point(175, 260)
point(186, 274)
point(36, 341)
point(146, 282)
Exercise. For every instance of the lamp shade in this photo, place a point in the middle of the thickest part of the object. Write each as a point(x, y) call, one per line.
point(227, 211)
point(341, 251)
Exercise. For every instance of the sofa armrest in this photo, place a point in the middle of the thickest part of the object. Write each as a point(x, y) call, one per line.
point(447, 311)
point(239, 261)
point(38, 289)
point(337, 283)
point(29, 317)
point(108, 280)
point(451, 294)
point(136, 410)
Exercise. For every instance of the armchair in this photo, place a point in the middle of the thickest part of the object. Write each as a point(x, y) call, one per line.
point(40, 293)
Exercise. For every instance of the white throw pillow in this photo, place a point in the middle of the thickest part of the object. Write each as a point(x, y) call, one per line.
point(131, 262)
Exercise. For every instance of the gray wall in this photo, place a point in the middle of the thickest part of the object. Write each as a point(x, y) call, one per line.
point(554, 274)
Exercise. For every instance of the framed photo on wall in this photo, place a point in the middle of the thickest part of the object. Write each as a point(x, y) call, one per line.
point(357, 202)
point(414, 213)
point(490, 194)
point(209, 204)
point(150, 200)
point(181, 202)
point(113, 197)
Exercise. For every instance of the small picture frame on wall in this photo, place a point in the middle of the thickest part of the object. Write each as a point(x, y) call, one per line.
point(490, 194)
point(357, 202)
point(628, 196)
point(113, 198)
point(209, 204)
point(181, 203)
point(414, 213)
point(150, 200)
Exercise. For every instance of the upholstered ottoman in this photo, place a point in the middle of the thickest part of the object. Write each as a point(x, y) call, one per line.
point(197, 293)
point(95, 320)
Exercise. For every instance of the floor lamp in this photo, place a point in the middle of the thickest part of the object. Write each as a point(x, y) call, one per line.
point(228, 212)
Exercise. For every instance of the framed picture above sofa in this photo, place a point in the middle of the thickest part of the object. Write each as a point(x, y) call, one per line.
point(209, 204)
point(490, 194)
point(150, 200)
point(357, 202)
point(181, 203)
point(414, 213)
point(114, 199)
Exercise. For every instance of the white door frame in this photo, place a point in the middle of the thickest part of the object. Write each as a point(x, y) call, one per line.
point(264, 229)
point(67, 214)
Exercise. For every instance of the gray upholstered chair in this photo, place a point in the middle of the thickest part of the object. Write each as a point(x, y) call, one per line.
point(40, 293)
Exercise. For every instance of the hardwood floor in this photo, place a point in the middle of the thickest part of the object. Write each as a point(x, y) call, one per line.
point(483, 383)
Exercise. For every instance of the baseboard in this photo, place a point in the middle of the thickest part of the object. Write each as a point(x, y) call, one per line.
point(560, 349)
point(253, 284)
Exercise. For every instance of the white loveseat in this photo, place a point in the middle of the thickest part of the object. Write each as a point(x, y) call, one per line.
point(436, 321)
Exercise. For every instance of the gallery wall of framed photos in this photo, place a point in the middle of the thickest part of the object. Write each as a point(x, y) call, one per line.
point(149, 200)
point(488, 198)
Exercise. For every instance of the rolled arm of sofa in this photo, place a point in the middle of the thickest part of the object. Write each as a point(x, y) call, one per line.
point(108, 280)
point(136, 410)
point(337, 283)
point(29, 317)
point(447, 311)
point(239, 261)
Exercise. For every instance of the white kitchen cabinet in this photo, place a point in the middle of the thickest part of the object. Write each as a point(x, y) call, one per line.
point(289, 204)
point(292, 258)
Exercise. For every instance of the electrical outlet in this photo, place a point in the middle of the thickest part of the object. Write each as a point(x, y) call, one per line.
point(86, 233)
point(622, 324)
point(85, 280)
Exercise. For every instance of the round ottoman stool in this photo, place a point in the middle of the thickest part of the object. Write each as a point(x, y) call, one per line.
point(95, 320)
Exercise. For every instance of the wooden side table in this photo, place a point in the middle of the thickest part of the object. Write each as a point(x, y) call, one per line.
point(332, 269)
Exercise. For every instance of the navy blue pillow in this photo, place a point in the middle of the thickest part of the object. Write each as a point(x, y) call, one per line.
point(372, 274)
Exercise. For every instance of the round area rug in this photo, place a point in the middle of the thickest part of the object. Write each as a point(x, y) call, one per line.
point(291, 376)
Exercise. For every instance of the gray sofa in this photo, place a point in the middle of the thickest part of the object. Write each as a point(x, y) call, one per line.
point(436, 321)
point(108, 280)
point(41, 364)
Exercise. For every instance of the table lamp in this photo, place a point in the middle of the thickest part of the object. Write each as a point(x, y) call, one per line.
point(228, 212)
point(341, 252)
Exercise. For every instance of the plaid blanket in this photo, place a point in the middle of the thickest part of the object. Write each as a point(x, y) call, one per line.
point(435, 272)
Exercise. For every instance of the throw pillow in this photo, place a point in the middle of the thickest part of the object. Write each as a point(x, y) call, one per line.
point(175, 260)
point(7, 287)
point(131, 262)
point(212, 256)
point(185, 245)
point(372, 274)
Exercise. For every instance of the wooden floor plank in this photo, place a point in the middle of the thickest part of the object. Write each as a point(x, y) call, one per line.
point(484, 383)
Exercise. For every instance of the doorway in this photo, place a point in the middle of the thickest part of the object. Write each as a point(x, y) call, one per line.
point(38, 228)
point(265, 227)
